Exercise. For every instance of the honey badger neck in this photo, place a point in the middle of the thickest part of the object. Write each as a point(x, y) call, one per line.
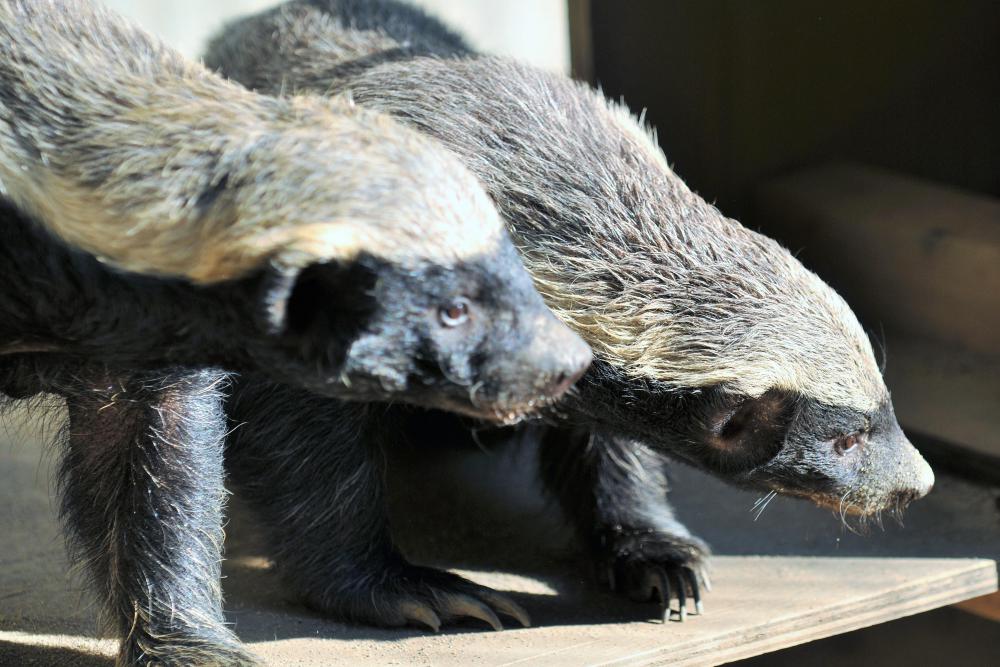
point(849, 460)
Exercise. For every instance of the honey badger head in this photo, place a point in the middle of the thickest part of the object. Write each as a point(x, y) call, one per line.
point(439, 308)
point(711, 341)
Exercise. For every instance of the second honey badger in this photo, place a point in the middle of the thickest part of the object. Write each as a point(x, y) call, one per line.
point(166, 221)
point(713, 345)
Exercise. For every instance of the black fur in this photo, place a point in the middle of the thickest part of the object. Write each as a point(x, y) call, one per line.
point(420, 33)
point(407, 24)
point(142, 497)
point(323, 503)
point(60, 300)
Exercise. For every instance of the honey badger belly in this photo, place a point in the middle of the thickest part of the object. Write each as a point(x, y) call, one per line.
point(712, 343)
point(158, 222)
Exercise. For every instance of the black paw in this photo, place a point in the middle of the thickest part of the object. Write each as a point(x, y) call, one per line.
point(421, 596)
point(651, 566)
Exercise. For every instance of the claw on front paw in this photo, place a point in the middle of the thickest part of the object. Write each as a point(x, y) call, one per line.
point(648, 567)
point(427, 598)
point(651, 582)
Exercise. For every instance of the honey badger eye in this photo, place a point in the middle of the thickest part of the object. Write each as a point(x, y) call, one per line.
point(455, 313)
point(846, 443)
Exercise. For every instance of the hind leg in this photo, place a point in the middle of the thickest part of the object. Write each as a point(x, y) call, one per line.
point(142, 497)
point(311, 468)
point(615, 492)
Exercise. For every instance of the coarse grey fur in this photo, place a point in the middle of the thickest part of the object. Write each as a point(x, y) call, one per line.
point(713, 344)
point(127, 150)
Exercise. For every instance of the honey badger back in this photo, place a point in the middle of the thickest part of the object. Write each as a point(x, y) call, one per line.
point(712, 343)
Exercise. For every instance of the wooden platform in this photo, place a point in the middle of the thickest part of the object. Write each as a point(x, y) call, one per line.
point(817, 582)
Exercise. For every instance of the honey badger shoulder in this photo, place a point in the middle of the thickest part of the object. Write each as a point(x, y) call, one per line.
point(712, 343)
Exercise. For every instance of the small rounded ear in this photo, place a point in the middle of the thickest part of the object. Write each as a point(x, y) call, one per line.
point(749, 432)
point(321, 308)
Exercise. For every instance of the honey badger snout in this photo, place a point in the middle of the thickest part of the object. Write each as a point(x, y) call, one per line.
point(916, 479)
point(852, 460)
point(545, 364)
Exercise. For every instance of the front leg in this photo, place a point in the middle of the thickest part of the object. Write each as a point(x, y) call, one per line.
point(614, 490)
point(142, 496)
point(311, 467)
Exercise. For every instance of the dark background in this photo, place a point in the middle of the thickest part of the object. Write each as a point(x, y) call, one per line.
point(742, 91)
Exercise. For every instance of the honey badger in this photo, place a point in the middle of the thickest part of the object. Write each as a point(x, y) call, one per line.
point(159, 223)
point(379, 247)
point(713, 344)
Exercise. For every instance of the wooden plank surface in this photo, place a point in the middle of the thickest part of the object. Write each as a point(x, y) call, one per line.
point(762, 604)
point(759, 603)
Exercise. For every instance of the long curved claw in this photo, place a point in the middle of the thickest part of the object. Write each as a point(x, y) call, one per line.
point(681, 595)
point(507, 607)
point(692, 578)
point(418, 612)
point(658, 584)
point(464, 605)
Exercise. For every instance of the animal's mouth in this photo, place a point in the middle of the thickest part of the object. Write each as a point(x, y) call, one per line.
point(848, 506)
point(500, 413)
point(841, 506)
point(838, 504)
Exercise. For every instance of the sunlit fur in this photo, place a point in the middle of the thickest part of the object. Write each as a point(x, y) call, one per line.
point(125, 149)
point(658, 281)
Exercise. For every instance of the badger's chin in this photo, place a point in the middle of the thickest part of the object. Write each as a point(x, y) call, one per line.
point(850, 504)
point(501, 414)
